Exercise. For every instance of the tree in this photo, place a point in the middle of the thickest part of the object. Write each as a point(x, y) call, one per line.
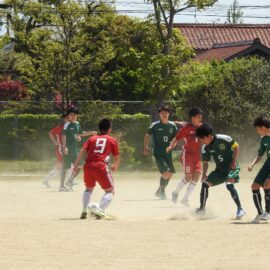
point(164, 15)
point(234, 14)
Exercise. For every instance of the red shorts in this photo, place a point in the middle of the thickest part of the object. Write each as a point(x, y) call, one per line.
point(97, 172)
point(58, 154)
point(191, 163)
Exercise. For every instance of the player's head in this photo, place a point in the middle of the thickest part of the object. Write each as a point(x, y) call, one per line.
point(195, 115)
point(262, 125)
point(72, 114)
point(105, 126)
point(205, 133)
point(64, 117)
point(164, 113)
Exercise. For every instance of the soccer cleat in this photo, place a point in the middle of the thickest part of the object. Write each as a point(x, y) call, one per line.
point(257, 219)
point(63, 189)
point(200, 212)
point(160, 194)
point(46, 183)
point(99, 214)
point(265, 216)
point(185, 202)
point(83, 215)
point(174, 197)
point(69, 185)
point(240, 213)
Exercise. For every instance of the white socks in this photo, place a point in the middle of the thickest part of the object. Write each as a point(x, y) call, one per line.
point(105, 201)
point(51, 175)
point(190, 189)
point(86, 199)
point(180, 185)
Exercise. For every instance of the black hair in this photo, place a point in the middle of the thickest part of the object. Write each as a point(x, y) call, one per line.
point(204, 130)
point(104, 125)
point(164, 108)
point(195, 111)
point(261, 121)
point(72, 110)
point(63, 115)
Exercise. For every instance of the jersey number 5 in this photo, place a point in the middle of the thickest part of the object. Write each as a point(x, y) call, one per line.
point(100, 145)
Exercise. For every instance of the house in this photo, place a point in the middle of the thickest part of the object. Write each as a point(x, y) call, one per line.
point(227, 41)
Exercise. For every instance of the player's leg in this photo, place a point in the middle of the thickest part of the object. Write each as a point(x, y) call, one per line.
point(166, 169)
point(196, 173)
point(70, 182)
point(105, 180)
point(66, 166)
point(48, 177)
point(266, 187)
point(255, 187)
point(184, 181)
point(214, 178)
point(89, 182)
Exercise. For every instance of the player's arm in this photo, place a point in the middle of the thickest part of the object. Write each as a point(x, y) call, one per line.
point(235, 148)
point(146, 144)
point(64, 142)
point(255, 161)
point(52, 137)
point(116, 163)
point(172, 145)
point(87, 133)
point(180, 123)
point(204, 171)
point(78, 160)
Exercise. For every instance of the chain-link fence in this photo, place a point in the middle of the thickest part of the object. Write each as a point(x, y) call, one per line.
point(25, 144)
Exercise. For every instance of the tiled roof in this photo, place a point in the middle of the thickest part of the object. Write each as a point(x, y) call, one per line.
point(204, 36)
point(221, 53)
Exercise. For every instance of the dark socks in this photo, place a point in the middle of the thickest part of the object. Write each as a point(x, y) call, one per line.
point(163, 184)
point(234, 195)
point(267, 200)
point(203, 196)
point(257, 198)
point(63, 177)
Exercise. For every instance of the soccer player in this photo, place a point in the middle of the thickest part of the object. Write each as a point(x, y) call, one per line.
point(97, 150)
point(71, 135)
point(162, 131)
point(224, 151)
point(55, 136)
point(262, 179)
point(191, 155)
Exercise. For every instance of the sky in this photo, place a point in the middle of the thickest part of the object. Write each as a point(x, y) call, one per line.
point(215, 14)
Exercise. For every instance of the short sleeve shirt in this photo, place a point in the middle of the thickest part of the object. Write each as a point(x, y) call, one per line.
point(264, 146)
point(71, 131)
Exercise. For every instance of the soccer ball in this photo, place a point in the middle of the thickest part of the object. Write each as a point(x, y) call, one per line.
point(92, 208)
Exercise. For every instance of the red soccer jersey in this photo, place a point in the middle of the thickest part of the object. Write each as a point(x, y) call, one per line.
point(188, 134)
point(99, 148)
point(57, 132)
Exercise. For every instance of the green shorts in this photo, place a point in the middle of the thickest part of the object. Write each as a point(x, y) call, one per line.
point(165, 164)
point(219, 176)
point(69, 159)
point(263, 174)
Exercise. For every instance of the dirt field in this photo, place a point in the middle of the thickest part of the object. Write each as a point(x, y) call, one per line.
point(40, 229)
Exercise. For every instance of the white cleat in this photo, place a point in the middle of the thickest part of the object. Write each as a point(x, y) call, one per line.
point(265, 216)
point(240, 213)
point(185, 202)
point(257, 219)
point(63, 189)
point(46, 183)
point(69, 185)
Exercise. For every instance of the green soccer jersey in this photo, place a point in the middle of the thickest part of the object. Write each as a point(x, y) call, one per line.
point(264, 146)
point(221, 149)
point(71, 131)
point(162, 136)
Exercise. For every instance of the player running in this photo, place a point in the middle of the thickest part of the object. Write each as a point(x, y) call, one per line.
point(55, 135)
point(262, 179)
point(224, 151)
point(98, 149)
point(162, 131)
point(71, 135)
point(191, 155)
